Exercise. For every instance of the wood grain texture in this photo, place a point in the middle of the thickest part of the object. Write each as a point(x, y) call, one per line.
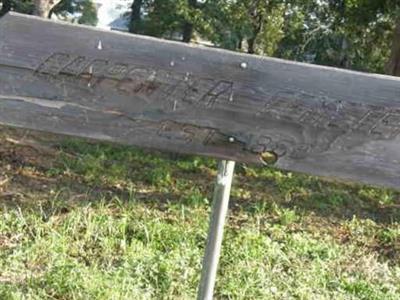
point(152, 93)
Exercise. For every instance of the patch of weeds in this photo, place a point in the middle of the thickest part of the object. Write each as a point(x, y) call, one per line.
point(361, 229)
point(241, 193)
point(390, 236)
point(380, 196)
point(328, 200)
point(193, 164)
point(260, 207)
point(195, 198)
point(363, 289)
point(286, 216)
point(311, 248)
point(158, 176)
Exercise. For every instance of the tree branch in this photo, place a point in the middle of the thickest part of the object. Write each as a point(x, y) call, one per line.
point(43, 7)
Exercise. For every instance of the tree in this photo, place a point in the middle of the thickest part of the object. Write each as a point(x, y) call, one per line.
point(162, 19)
point(257, 12)
point(79, 11)
point(188, 26)
point(173, 19)
point(351, 34)
point(254, 26)
point(6, 7)
point(22, 6)
point(136, 16)
point(44, 7)
point(393, 66)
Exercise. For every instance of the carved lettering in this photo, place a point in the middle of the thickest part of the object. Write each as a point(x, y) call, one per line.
point(299, 151)
point(98, 68)
point(343, 117)
point(221, 90)
point(314, 118)
point(76, 66)
point(117, 71)
point(388, 127)
point(207, 140)
point(54, 64)
point(174, 88)
point(128, 78)
point(346, 116)
point(176, 131)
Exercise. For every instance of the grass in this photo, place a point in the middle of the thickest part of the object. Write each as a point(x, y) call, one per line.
point(96, 221)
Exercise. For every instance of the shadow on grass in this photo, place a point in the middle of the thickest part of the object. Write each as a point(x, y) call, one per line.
point(103, 171)
point(322, 197)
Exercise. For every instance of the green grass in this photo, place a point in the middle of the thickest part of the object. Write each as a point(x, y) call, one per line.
point(111, 222)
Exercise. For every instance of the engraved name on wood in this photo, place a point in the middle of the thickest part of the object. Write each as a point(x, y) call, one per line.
point(152, 93)
point(337, 117)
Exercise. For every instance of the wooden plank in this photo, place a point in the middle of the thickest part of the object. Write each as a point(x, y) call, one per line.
point(152, 93)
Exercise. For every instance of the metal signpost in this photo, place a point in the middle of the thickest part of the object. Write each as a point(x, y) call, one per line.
point(151, 93)
point(217, 220)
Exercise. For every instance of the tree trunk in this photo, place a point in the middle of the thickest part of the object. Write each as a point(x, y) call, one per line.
point(43, 7)
point(187, 32)
point(251, 45)
point(393, 66)
point(240, 44)
point(344, 61)
point(136, 17)
point(7, 5)
point(258, 21)
point(188, 27)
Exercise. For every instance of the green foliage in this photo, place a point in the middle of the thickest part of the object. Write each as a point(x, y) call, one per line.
point(354, 34)
point(22, 6)
point(80, 11)
point(167, 18)
point(351, 34)
point(234, 23)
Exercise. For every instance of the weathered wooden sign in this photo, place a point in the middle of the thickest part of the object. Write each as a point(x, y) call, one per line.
point(152, 93)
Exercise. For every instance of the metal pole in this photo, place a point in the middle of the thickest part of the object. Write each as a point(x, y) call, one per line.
point(217, 220)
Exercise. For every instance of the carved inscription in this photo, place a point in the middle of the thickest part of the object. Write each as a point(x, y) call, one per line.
point(279, 145)
point(174, 87)
point(188, 134)
point(176, 131)
point(76, 66)
point(221, 89)
point(55, 64)
point(388, 126)
point(182, 133)
point(381, 123)
point(179, 89)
